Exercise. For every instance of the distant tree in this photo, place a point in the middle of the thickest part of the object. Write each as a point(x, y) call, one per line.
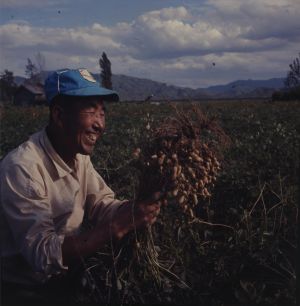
point(30, 69)
point(7, 85)
point(291, 82)
point(293, 77)
point(105, 67)
point(34, 69)
point(40, 62)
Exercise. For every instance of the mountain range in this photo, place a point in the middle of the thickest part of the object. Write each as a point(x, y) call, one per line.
point(131, 88)
point(138, 89)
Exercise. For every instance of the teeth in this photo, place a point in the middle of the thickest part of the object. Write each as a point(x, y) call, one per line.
point(92, 137)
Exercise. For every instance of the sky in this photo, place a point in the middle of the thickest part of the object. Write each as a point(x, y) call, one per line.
point(190, 43)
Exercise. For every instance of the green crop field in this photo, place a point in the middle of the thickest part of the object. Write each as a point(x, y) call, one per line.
point(241, 248)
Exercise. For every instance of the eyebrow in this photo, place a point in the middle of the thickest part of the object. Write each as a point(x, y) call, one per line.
point(92, 104)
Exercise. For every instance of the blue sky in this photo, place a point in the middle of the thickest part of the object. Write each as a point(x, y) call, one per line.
point(171, 41)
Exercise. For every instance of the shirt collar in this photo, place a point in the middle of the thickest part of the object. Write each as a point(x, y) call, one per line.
point(61, 167)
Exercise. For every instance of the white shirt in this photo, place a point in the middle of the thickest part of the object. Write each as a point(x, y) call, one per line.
point(42, 200)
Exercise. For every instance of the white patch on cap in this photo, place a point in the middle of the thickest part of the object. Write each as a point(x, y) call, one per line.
point(86, 75)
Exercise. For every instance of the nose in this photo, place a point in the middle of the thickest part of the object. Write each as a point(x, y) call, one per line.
point(99, 122)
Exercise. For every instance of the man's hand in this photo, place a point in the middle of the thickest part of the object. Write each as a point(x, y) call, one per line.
point(129, 216)
point(136, 215)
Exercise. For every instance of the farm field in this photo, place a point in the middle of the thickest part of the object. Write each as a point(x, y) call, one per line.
point(241, 247)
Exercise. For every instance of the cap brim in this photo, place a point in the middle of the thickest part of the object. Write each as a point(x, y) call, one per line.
point(107, 94)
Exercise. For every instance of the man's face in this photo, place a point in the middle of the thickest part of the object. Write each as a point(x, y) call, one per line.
point(84, 125)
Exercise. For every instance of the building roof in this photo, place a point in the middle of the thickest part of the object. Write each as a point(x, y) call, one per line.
point(35, 88)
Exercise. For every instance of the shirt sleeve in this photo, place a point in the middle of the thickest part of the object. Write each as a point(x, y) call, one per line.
point(101, 203)
point(28, 212)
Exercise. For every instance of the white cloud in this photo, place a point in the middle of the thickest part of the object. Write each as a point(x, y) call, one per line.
point(77, 41)
point(236, 26)
point(258, 18)
point(171, 13)
point(176, 45)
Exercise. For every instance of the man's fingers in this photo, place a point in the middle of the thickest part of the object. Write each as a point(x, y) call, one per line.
point(153, 220)
point(155, 213)
point(147, 212)
point(153, 208)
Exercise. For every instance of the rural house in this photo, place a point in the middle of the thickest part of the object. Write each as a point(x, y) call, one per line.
point(30, 93)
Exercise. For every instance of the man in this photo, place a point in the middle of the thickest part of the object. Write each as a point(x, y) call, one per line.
point(48, 184)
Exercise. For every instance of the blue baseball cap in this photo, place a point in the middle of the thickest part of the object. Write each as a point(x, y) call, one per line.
point(76, 82)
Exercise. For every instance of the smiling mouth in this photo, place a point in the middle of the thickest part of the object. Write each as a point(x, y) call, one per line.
point(92, 138)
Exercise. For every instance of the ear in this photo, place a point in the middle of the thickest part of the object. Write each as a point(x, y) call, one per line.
point(58, 116)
